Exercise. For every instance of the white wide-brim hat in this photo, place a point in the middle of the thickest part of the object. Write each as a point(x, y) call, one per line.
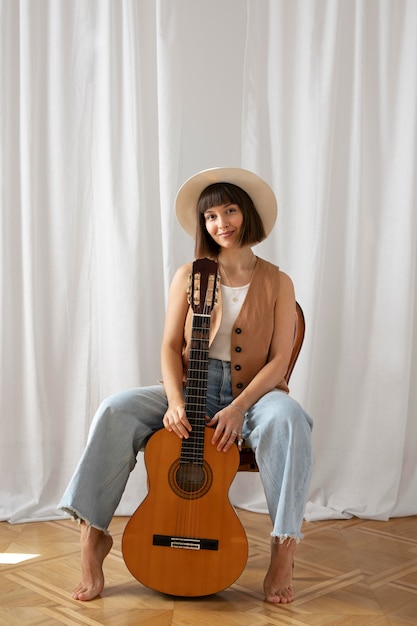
point(260, 192)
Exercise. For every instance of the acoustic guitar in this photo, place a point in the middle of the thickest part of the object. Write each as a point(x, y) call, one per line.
point(185, 538)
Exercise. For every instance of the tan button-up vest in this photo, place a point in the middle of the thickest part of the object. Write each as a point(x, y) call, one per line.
point(252, 331)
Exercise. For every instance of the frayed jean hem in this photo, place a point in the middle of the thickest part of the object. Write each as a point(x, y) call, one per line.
point(297, 537)
point(77, 517)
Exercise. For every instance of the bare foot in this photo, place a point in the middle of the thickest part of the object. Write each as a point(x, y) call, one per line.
point(278, 587)
point(95, 546)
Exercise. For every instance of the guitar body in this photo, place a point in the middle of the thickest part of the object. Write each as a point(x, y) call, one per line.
point(185, 539)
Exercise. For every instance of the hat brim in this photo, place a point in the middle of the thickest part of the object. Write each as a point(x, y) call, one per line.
point(260, 192)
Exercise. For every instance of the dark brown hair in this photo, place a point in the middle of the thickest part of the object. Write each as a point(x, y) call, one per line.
point(226, 193)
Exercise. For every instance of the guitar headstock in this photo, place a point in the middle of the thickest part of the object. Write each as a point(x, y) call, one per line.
point(202, 290)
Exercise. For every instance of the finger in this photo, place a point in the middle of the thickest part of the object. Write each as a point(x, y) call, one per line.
point(218, 433)
point(226, 441)
point(212, 420)
point(182, 427)
point(229, 443)
point(185, 424)
point(181, 418)
point(166, 422)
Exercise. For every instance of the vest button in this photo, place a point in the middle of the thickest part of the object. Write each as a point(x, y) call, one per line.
point(238, 349)
point(238, 331)
point(239, 385)
point(238, 368)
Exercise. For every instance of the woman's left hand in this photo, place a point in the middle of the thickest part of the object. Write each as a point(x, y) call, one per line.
point(228, 428)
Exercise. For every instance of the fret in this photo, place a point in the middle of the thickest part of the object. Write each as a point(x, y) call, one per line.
point(198, 357)
point(196, 370)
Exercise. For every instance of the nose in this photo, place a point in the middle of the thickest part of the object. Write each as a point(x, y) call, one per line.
point(224, 223)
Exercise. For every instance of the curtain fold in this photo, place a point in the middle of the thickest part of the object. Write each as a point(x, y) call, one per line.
point(105, 109)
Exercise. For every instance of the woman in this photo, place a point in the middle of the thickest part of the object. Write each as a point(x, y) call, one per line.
point(227, 210)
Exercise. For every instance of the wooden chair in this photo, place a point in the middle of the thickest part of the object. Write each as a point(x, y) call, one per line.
point(247, 456)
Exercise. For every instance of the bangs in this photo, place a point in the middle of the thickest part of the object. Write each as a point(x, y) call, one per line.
point(216, 195)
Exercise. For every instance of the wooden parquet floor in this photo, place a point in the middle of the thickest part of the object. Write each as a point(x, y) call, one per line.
point(356, 573)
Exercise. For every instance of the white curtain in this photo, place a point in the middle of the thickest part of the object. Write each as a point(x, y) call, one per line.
point(106, 107)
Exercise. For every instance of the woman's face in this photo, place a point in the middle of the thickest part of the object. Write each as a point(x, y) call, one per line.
point(224, 224)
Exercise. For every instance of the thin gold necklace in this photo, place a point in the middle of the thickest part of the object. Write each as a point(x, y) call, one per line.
point(238, 290)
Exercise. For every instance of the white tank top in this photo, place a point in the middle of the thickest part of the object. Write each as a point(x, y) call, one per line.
point(232, 300)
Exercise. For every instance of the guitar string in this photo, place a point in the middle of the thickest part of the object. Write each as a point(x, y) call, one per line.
point(197, 454)
point(200, 427)
point(190, 444)
point(185, 507)
point(202, 382)
point(189, 519)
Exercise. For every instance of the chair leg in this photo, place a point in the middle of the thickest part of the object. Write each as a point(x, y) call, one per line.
point(247, 460)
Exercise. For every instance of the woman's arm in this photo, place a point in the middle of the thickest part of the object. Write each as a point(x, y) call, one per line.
point(171, 353)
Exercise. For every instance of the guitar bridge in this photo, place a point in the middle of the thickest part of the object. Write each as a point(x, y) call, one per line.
point(185, 543)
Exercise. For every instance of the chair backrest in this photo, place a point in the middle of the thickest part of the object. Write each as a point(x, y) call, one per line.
point(299, 332)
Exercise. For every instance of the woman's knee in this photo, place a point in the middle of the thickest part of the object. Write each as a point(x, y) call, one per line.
point(281, 413)
point(278, 405)
point(140, 409)
point(111, 408)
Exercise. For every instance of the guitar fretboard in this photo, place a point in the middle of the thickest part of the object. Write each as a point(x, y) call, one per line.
point(192, 449)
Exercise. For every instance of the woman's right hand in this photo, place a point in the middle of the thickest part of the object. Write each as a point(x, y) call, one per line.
point(175, 420)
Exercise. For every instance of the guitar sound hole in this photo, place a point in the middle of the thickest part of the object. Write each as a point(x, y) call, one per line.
point(190, 480)
point(190, 477)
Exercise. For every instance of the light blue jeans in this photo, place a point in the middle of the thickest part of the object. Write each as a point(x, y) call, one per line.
point(276, 427)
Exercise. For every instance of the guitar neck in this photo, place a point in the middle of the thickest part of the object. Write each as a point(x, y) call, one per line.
point(192, 449)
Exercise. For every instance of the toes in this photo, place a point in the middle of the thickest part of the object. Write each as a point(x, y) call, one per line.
point(84, 595)
point(77, 590)
point(283, 596)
